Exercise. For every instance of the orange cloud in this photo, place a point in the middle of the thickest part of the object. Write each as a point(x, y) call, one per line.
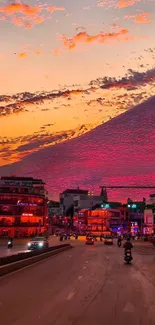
point(143, 18)
point(38, 52)
point(39, 19)
point(125, 3)
point(17, 21)
point(100, 4)
point(71, 43)
point(20, 8)
point(56, 51)
point(22, 55)
point(23, 15)
point(53, 8)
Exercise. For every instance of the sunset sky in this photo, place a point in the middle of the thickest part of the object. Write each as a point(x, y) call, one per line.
point(69, 66)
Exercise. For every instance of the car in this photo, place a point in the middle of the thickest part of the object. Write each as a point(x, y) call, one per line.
point(108, 240)
point(89, 240)
point(38, 243)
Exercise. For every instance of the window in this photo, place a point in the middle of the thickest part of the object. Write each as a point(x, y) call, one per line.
point(76, 203)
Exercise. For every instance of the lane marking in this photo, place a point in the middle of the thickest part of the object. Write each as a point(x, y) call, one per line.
point(71, 295)
point(80, 277)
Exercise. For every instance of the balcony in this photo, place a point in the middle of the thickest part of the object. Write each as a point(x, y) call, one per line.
point(26, 192)
point(20, 224)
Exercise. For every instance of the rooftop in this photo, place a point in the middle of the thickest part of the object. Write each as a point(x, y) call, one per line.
point(75, 191)
point(22, 179)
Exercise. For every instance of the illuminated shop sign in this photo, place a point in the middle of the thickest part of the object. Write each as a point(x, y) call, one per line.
point(27, 204)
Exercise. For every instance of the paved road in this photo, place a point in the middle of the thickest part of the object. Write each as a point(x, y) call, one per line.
point(20, 245)
point(83, 286)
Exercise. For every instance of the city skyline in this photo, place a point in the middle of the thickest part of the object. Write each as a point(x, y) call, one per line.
point(67, 69)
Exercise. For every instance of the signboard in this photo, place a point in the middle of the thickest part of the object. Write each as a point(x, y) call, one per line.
point(27, 204)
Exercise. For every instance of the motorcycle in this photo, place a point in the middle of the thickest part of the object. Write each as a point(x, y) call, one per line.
point(10, 243)
point(119, 243)
point(128, 256)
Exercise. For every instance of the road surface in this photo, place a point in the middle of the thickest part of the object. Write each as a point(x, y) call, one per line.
point(20, 246)
point(87, 285)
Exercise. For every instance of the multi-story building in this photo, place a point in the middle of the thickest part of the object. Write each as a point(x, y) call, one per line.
point(136, 215)
point(23, 206)
point(111, 215)
point(53, 208)
point(149, 215)
point(73, 200)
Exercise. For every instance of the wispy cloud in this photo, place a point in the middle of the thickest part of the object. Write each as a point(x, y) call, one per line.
point(95, 99)
point(17, 148)
point(20, 101)
point(125, 3)
point(24, 15)
point(131, 81)
point(56, 51)
point(101, 37)
point(20, 8)
point(100, 4)
point(53, 8)
point(144, 18)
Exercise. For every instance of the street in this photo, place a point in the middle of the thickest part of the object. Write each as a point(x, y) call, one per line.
point(20, 246)
point(87, 285)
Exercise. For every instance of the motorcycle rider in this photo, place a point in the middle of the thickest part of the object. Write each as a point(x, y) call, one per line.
point(128, 245)
point(10, 242)
point(119, 240)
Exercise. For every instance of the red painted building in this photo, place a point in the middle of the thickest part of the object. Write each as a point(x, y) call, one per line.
point(102, 219)
point(23, 206)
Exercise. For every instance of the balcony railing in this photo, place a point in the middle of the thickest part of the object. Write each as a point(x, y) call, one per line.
point(20, 224)
point(18, 192)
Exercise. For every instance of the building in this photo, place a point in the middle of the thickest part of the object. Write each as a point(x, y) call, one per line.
point(73, 200)
point(142, 215)
point(53, 208)
point(23, 206)
point(149, 220)
point(149, 215)
point(151, 199)
point(136, 214)
point(103, 217)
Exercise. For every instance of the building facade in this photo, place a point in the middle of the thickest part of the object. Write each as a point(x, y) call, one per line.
point(100, 219)
point(149, 220)
point(73, 200)
point(23, 206)
point(53, 208)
